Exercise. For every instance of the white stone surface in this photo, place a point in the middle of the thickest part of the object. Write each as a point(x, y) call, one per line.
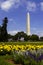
point(28, 24)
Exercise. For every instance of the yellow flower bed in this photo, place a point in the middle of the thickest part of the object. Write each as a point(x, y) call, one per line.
point(20, 47)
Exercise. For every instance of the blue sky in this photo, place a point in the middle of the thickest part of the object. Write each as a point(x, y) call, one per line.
point(16, 11)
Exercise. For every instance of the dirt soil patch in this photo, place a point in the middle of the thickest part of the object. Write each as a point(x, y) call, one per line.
point(11, 61)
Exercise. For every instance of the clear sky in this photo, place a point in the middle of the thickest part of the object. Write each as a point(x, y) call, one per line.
point(16, 11)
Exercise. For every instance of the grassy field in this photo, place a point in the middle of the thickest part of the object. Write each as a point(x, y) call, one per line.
point(22, 43)
point(6, 60)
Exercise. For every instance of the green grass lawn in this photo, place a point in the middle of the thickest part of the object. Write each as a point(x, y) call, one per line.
point(7, 60)
point(22, 43)
point(4, 60)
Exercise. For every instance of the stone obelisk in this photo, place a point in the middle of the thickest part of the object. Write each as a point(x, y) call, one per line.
point(28, 24)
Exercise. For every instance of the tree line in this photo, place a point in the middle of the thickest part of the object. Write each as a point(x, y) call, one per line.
point(20, 36)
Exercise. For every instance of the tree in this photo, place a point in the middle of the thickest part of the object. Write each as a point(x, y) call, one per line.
point(41, 38)
point(34, 37)
point(20, 35)
point(4, 36)
point(15, 37)
point(29, 37)
point(25, 37)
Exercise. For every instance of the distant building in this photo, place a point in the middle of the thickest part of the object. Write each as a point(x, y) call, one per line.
point(10, 39)
point(22, 39)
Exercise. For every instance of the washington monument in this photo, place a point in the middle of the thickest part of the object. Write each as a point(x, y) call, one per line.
point(28, 24)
